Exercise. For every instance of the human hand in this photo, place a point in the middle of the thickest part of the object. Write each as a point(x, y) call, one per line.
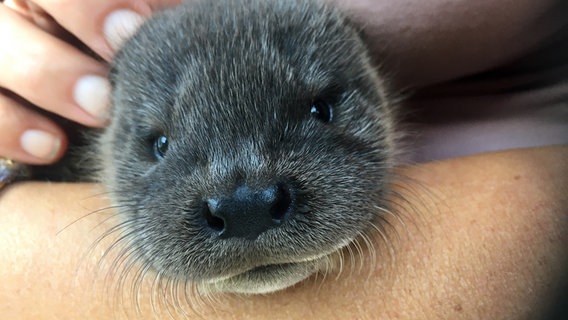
point(49, 62)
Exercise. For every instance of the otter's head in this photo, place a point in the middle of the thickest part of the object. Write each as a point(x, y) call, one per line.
point(250, 140)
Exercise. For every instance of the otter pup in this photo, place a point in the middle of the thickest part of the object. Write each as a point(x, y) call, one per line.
point(250, 140)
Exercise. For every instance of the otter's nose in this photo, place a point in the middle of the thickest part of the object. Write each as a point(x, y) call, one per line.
point(248, 212)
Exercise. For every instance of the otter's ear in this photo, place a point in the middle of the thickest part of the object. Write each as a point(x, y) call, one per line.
point(357, 28)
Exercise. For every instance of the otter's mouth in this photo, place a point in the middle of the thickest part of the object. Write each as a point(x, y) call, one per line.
point(270, 268)
point(265, 278)
point(272, 277)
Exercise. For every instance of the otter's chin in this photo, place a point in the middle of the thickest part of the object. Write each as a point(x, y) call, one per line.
point(265, 279)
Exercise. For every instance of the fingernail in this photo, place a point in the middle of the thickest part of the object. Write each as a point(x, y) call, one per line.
point(120, 25)
point(40, 144)
point(92, 93)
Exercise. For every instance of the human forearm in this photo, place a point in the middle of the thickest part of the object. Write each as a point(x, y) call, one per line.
point(485, 239)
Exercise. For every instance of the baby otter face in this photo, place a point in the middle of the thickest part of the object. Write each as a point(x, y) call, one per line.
point(250, 140)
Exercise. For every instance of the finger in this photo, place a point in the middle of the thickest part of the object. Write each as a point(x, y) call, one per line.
point(51, 73)
point(101, 24)
point(35, 14)
point(43, 20)
point(28, 137)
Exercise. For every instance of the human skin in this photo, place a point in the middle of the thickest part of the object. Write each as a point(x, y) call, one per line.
point(484, 238)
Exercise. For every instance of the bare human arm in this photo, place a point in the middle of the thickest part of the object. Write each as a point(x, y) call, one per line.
point(485, 238)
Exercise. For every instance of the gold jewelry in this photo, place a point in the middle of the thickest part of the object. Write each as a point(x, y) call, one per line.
point(11, 171)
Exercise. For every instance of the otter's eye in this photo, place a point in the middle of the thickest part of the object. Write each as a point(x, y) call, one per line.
point(322, 111)
point(161, 147)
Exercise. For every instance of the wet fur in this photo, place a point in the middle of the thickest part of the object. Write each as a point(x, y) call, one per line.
point(231, 84)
